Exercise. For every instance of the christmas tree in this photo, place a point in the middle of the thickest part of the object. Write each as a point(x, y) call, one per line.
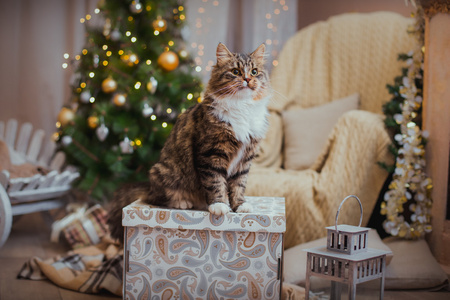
point(132, 79)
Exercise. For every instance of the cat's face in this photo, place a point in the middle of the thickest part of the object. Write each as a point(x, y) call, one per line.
point(239, 75)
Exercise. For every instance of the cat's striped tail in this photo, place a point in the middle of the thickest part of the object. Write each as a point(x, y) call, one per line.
point(122, 197)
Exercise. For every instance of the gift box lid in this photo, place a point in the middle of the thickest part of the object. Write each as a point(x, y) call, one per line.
point(268, 215)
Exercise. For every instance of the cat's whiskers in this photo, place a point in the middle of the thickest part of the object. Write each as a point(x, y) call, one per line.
point(280, 94)
point(238, 94)
point(228, 93)
point(226, 88)
point(231, 95)
point(275, 99)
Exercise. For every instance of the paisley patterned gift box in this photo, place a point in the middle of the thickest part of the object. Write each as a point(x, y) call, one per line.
point(191, 254)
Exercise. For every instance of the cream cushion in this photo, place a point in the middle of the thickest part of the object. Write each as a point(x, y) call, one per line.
point(306, 130)
point(295, 257)
point(413, 266)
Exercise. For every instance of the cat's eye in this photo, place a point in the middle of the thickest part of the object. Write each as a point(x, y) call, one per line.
point(255, 72)
point(236, 72)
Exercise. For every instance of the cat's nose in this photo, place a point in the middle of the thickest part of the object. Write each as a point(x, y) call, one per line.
point(247, 79)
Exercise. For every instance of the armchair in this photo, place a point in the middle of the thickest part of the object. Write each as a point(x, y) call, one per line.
point(347, 54)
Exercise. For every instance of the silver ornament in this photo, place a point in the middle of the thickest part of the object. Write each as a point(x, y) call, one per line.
point(125, 146)
point(152, 85)
point(147, 110)
point(66, 140)
point(115, 35)
point(96, 60)
point(85, 96)
point(102, 132)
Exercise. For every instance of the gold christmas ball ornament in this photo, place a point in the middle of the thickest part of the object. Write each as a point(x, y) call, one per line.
point(92, 121)
point(65, 116)
point(160, 24)
point(120, 99)
point(109, 85)
point(168, 61)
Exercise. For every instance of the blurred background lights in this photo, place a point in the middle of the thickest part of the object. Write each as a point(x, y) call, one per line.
point(202, 18)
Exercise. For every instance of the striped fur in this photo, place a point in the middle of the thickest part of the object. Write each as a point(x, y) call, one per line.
point(205, 161)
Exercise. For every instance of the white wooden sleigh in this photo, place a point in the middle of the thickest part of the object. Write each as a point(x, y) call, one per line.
point(19, 196)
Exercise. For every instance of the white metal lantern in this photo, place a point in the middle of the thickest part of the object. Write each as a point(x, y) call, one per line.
point(346, 259)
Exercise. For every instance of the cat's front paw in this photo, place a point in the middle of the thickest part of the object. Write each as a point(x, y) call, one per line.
point(182, 204)
point(244, 208)
point(219, 209)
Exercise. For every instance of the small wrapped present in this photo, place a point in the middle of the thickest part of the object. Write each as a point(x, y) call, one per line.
point(82, 228)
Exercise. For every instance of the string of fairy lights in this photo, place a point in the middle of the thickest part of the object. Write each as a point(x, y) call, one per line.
point(203, 20)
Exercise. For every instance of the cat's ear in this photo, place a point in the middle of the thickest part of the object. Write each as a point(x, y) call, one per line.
point(223, 54)
point(259, 54)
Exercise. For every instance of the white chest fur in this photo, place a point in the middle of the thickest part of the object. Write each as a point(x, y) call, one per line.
point(247, 116)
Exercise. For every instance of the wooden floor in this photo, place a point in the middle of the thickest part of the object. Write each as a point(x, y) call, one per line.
point(30, 237)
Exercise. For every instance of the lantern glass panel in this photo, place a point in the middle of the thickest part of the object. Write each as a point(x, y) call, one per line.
point(323, 289)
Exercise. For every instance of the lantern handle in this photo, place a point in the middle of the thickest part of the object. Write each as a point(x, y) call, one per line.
point(360, 208)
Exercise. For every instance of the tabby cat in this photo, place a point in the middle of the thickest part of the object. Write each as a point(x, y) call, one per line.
point(206, 159)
